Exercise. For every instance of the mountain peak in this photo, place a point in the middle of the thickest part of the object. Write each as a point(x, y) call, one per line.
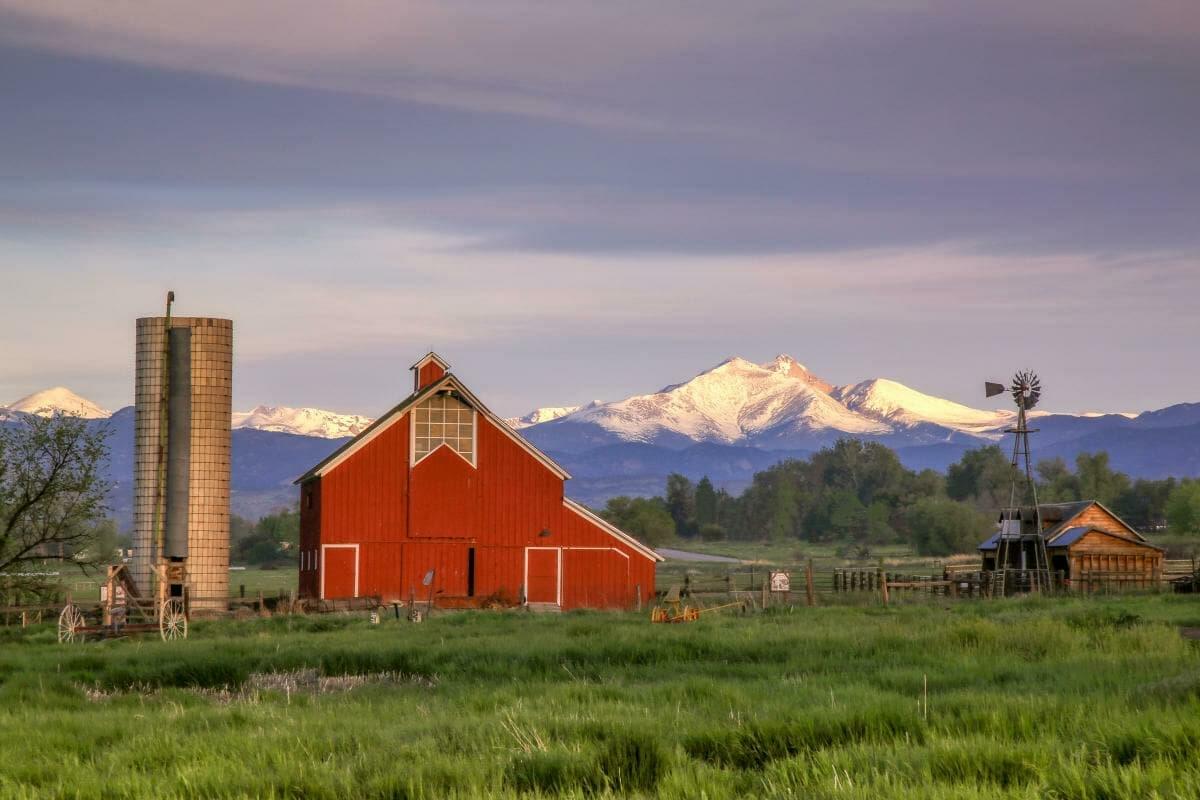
point(786, 365)
point(301, 421)
point(58, 399)
point(545, 414)
point(892, 401)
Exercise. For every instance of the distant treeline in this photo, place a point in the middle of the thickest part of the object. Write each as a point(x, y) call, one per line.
point(273, 539)
point(859, 493)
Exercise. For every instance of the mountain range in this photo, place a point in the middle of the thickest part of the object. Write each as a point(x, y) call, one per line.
point(728, 422)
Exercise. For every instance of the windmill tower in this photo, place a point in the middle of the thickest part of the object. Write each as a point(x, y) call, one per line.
point(1022, 563)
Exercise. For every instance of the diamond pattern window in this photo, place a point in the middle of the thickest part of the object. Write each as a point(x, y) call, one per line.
point(444, 419)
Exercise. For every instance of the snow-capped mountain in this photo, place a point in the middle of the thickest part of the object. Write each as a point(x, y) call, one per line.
point(540, 415)
point(900, 406)
point(771, 405)
point(301, 421)
point(280, 419)
point(779, 405)
point(57, 400)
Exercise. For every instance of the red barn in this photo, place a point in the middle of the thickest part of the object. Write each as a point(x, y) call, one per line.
point(441, 484)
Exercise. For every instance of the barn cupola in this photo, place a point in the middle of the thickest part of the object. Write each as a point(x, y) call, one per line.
point(428, 370)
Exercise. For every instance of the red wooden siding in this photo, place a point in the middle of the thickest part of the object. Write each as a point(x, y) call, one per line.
point(340, 565)
point(581, 532)
point(509, 498)
point(597, 579)
point(408, 521)
point(429, 373)
point(541, 571)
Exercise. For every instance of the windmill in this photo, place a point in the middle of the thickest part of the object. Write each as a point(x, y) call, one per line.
point(1021, 547)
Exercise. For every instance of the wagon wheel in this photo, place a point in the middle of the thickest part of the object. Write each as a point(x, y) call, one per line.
point(690, 614)
point(70, 622)
point(172, 619)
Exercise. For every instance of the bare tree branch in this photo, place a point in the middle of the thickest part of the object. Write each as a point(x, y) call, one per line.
point(52, 494)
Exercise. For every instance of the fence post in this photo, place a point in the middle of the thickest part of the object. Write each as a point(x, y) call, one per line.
point(810, 591)
point(639, 597)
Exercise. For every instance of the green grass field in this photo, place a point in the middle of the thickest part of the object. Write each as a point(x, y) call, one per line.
point(1029, 698)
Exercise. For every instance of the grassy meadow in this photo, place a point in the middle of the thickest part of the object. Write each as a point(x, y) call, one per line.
point(1024, 698)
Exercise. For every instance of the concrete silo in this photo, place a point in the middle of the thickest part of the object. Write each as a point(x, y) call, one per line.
point(183, 399)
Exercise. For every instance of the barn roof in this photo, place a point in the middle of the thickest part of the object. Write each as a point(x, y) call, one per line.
point(397, 413)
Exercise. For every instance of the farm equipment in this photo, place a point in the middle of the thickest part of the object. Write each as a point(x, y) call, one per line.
point(673, 609)
point(123, 609)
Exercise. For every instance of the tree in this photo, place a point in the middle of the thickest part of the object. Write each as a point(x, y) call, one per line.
point(647, 519)
point(1058, 484)
point(275, 537)
point(681, 503)
point(1097, 480)
point(870, 470)
point(942, 527)
point(706, 502)
point(1183, 508)
point(52, 495)
point(983, 476)
point(1144, 504)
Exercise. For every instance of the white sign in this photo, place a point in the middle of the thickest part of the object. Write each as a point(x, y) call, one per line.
point(781, 582)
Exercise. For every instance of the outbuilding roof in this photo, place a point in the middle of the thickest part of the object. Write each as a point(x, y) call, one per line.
point(1069, 537)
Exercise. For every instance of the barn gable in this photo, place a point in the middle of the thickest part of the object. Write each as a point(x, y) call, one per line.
point(1089, 514)
point(448, 381)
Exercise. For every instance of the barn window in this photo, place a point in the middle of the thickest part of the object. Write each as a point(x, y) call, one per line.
point(443, 419)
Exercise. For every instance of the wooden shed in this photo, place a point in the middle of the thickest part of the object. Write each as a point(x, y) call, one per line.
point(441, 486)
point(1090, 545)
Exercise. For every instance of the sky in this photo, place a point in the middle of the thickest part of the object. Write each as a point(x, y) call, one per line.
point(577, 200)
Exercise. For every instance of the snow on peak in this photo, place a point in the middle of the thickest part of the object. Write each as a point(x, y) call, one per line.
point(893, 402)
point(59, 399)
point(733, 401)
point(540, 415)
point(301, 421)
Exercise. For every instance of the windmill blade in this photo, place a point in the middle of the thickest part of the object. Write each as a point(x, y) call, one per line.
point(1026, 388)
point(992, 389)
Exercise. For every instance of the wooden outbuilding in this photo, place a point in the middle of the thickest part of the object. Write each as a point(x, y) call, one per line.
point(441, 487)
point(1088, 544)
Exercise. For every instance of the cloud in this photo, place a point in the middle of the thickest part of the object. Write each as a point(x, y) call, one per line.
point(585, 199)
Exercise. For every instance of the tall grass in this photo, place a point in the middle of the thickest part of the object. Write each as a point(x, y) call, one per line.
point(1011, 699)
